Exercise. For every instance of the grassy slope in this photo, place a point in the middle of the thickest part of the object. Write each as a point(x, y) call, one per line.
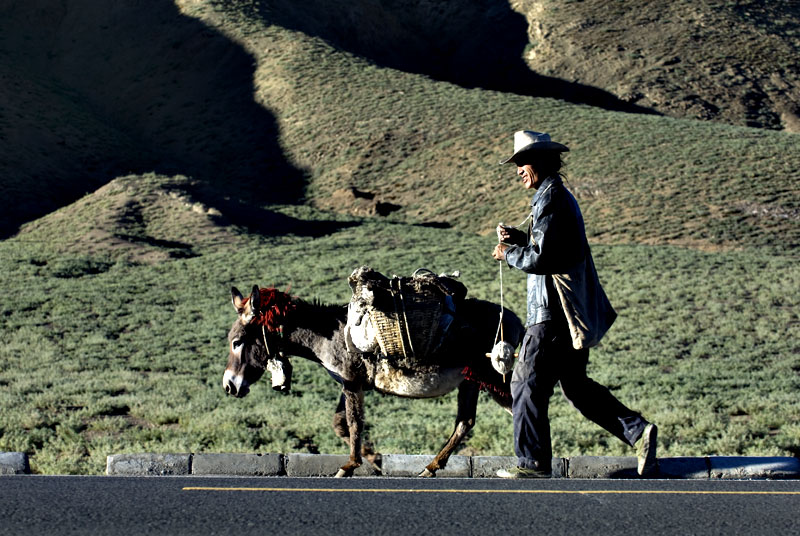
point(433, 149)
point(128, 356)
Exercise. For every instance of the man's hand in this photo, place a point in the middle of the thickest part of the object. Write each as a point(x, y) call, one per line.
point(499, 252)
point(503, 234)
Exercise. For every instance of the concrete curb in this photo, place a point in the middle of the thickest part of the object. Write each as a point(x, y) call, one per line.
point(238, 464)
point(414, 464)
point(602, 467)
point(14, 463)
point(303, 464)
point(405, 465)
point(149, 464)
point(684, 467)
point(487, 466)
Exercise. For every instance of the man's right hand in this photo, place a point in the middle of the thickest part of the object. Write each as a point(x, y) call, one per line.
point(503, 233)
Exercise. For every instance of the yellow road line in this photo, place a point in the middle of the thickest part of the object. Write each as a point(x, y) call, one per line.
point(511, 491)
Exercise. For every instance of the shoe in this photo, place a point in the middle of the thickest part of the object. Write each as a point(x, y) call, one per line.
point(646, 450)
point(524, 472)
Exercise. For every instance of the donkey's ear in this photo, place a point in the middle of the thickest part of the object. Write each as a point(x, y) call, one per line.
point(255, 299)
point(237, 299)
point(246, 309)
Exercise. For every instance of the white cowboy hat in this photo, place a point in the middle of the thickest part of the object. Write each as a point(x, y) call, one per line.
point(528, 140)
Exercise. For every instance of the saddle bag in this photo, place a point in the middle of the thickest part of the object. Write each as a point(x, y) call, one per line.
point(402, 317)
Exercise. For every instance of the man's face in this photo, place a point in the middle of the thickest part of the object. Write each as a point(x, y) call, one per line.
point(529, 177)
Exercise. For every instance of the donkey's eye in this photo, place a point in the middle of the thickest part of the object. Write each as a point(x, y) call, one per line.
point(236, 343)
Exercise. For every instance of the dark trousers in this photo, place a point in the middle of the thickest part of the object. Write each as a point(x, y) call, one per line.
point(547, 357)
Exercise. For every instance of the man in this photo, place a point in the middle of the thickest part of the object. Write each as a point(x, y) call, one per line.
point(568, 312)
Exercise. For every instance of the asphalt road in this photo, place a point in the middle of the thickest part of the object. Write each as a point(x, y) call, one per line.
point(119, 506)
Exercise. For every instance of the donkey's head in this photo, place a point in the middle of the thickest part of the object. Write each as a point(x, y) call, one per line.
point(255, 341)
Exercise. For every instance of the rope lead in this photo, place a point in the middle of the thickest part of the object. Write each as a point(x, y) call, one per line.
point(499, 334)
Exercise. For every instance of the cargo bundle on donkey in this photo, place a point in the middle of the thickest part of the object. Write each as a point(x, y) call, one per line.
point(417, 337)
point(403, 319)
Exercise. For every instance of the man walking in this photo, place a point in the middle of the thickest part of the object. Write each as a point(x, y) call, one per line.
point(568, 312)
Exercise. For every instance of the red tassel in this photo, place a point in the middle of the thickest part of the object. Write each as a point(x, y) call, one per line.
point(499, 389)
point(274, 307)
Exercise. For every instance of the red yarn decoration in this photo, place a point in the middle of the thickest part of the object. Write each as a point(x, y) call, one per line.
point(273, 308)
point(487, 384)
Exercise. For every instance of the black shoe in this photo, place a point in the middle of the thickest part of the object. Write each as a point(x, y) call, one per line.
point(524, 472)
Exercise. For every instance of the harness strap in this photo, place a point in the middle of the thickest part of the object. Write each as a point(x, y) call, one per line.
point(279, 331)
point(264, 334)
point(402, 319)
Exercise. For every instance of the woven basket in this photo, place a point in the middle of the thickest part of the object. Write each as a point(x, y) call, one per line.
point(405, 311)
point(412, 328)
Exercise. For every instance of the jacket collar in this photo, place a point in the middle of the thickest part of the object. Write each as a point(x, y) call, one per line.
point(549, 182)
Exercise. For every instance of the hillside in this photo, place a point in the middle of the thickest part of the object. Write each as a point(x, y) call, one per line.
point(431, 149)
point(266, 102)
point(96, 90)
point(733, 62)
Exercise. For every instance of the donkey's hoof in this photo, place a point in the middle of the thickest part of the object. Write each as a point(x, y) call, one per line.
point(426, 473)
point(347, 470)
point(341, 473)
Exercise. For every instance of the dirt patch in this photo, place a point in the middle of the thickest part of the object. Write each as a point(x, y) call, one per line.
point(357, 202)
point(768, 212)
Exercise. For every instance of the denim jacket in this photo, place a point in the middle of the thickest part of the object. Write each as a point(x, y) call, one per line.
point(555, 244)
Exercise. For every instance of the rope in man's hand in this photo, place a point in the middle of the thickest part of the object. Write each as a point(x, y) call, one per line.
point(502, 354)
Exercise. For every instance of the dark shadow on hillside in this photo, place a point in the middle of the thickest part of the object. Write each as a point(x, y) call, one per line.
point(269, 223)
point(133, 87)
point(473, 43)
point(255, 219)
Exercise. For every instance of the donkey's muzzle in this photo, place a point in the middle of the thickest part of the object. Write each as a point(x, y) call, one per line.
point(235, 385)
point(238, 392)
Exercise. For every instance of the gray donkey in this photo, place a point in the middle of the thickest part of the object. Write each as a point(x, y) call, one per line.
point(271, 326)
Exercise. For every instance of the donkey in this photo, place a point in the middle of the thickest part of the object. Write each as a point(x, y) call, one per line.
point(271, 326)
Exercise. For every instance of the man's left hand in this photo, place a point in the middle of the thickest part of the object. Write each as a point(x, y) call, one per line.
point(499, 252)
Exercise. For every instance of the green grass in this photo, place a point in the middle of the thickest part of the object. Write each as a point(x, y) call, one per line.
point(118, 357)
point(695, 230)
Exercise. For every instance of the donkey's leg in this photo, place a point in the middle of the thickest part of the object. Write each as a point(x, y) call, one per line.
point(340, 421)
point(343, 431)
point(354, 411)
point(465, 420)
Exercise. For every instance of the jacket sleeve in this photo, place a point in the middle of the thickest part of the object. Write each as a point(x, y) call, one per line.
point(557, 241)
point(518, 238)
